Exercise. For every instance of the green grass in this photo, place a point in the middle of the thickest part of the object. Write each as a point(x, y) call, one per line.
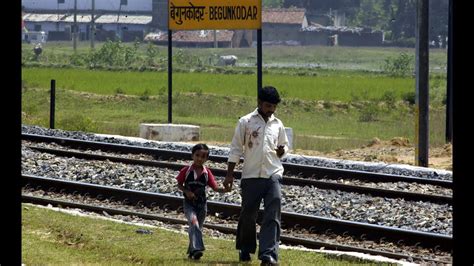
point(217, 116)
point(349, 58)
point(336, 87)
point(50, 237)
point(340, 106)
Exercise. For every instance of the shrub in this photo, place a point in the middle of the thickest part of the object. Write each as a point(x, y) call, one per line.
point(390, 98)
point(398, 66)
point(113, 53)
point(119, 91)
point(369, 113)
point(151, 53)
point(79, 123)
point(145, 95)
point(409, 97)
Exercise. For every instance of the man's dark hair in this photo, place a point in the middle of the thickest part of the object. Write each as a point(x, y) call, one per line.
point(269, 94)
point(200, 146)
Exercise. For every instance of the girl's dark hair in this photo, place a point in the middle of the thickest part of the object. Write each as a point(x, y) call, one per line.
point(200, 146)
point(269, 94)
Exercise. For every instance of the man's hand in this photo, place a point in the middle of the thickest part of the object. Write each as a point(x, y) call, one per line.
point(229, 179)
point(280, 150)
point(228, 182)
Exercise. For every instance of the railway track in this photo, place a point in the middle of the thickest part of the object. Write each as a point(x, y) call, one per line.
point(314, 172)
point(290, 220)
point(298, 175)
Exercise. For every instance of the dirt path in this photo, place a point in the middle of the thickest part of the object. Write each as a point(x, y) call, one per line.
point(397, 150)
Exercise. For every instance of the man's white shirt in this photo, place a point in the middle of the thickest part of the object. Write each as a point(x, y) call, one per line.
point(257, 140)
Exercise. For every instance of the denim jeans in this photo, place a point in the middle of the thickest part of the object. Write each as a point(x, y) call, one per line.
point(253, 191)
point(195, 216)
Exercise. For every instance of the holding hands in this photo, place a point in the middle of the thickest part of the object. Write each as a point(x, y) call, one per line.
point(228, 182)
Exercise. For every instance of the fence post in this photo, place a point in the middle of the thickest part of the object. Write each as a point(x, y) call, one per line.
point(52, 104)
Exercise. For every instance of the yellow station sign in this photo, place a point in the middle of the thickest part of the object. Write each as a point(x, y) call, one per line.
point(214, 14)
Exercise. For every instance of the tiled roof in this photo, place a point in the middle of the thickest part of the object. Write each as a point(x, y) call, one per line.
point(192, 36)
point(86, 18)
point(319, 28)
point(283, 15)
point(125, 19)
point(30, 17)
point(80, 18)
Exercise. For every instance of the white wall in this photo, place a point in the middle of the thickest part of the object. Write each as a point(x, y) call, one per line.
point(113, 27)
point(110, 5)
point(45, 26)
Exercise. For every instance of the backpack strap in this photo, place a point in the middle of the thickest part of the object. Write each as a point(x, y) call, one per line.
point(205, 172)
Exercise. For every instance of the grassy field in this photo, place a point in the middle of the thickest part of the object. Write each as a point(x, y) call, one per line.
point(351, 58)
point(329, 108)
point(336, 87)
point(54, 238)
point(311, 121)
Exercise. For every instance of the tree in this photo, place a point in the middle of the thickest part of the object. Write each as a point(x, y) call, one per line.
point(439, 15)
point(403, 24)
point(371, 13)
point(272, 3)
point(322, 5)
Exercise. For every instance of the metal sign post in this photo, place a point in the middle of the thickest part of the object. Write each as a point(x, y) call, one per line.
point(170, 75)
point(52, 103)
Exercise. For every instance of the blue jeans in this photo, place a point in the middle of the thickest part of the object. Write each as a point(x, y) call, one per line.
point(195, 218)
point(253, 191)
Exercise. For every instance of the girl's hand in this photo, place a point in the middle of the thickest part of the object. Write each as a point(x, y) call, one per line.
point(190, 195)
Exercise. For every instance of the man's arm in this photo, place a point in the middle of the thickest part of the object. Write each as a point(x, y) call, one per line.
point(235, 152)
point(282, 148)
point(229, 179)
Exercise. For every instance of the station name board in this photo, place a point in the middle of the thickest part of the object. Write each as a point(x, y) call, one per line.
point(214, 14)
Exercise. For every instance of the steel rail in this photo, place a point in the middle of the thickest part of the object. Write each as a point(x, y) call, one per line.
point(285, 238)
point(289, 219)
point(313, 172)
point(286, 180)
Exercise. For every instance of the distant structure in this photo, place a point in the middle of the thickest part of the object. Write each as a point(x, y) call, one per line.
point(282, 25)
point(160, 14)
point(126, 20)
point(147, 20)
point(194, 38)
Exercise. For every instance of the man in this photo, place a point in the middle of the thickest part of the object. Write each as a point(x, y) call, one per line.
point(261, 138)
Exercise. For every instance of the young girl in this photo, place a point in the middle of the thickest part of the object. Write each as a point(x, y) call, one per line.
point(192, 180)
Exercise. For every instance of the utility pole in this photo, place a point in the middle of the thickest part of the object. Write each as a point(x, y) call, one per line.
point(449, 83)
point(422, 73)
point(118, 33)
point(215, 38)
point(92, 32)
point(74, 32)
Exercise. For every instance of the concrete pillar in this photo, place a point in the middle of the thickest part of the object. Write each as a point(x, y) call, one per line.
point(169, 132)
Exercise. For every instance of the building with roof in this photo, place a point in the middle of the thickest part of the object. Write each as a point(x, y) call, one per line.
point(131, 20)
point(53, 25)
point(282, 24)
point(341, 35)
point(126, 27)
point(62, 6)
point(193, 38)
point(113, 19)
